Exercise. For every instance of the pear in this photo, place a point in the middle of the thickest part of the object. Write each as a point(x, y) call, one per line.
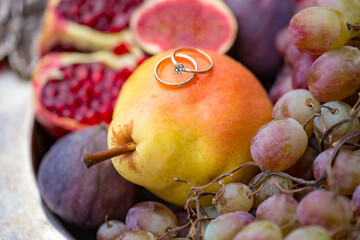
point(194, 132)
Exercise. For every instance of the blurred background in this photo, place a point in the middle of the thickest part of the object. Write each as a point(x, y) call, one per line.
point(21, 22)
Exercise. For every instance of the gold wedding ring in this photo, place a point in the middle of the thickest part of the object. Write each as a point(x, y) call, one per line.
point(180, 68)
point(180, 83)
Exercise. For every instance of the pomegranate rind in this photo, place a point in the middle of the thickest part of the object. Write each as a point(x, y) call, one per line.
point(156, 45)
point(57, 30)
point(49, 66)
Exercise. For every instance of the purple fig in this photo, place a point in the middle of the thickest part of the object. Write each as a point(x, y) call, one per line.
point(79, 195)
point(259, 21)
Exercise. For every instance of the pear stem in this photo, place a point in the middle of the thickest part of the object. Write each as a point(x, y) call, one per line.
point(94, 158)
point(355, 27)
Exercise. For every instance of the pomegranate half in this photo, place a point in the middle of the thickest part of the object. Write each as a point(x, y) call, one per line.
point(77, 90)
point(86, 25)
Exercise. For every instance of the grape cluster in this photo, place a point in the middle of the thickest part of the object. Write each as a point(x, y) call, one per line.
point(308, 186)
point(319, 47)
point(145, 220)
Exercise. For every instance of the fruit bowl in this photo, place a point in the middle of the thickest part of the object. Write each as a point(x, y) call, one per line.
point(41, 141)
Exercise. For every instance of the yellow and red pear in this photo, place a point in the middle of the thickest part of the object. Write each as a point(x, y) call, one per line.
point(193, 132)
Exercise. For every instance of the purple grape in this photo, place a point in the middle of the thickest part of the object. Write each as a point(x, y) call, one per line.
point(150, 216)
point(324, 208)
point(345, 171)
point(356, 199)
point(303, 167)
point(226, 226)
point(335, 75)
point(281, 210)
point(279, 144)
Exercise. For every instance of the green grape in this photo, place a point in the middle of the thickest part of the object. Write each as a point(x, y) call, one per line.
point(294, 104)
point(110, 230)
point(350, 9)
point(136, 235)
point(309, 233)
point(226, 226)
point(268, 188)
point(260, 230)
point(316, 30)
point(233, 197)
point(340, 113)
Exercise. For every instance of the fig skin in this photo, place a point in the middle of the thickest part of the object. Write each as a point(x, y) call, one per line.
point(78, 195)
point(258, 23)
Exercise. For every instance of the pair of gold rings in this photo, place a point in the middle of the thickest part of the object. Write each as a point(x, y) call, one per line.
point(180, 68)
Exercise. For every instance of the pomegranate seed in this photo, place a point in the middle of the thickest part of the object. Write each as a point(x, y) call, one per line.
point(66, 113)
point(82, 72)
point(105, 114)
point(70, 101)
point(87, 94)
point(82, 95)
point(59, 106)
point(80, 113)
point(62, 87)
point(113, 103)
point(106, 98)
point(95, 104)
point(97, 73)
point(97, 91)
point(99, 7)
point(91, 117)
point(126, 72)
point(114, 93)
point(106, 16)
point(121, 49)
point(50, 92)
point(63, 47)
point(74, 85)
point(49, 103)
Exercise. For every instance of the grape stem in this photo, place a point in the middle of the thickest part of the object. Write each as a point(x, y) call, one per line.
point(173, 232)
point(353, 26)
point(198, 217)
point(354, 114)
point(292, 191)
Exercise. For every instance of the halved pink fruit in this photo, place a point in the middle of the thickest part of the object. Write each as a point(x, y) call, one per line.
point(77, 90)
point(86, 25)
point(165, 24)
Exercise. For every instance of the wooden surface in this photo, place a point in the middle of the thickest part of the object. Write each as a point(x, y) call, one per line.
point(21, 212)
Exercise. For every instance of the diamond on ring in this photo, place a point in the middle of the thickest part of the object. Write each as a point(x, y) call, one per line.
point(179, 68)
